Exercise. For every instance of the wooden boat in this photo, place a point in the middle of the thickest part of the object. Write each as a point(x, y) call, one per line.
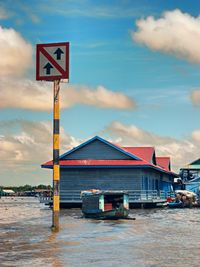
point(183, 199)
point(175, 204)
point(100, 204)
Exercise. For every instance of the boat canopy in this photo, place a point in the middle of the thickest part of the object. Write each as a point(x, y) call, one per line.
point(103, 192)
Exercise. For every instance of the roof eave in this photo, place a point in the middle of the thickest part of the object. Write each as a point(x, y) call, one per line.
point(110, 166)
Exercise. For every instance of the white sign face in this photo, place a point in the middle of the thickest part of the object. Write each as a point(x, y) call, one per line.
point(52, 62)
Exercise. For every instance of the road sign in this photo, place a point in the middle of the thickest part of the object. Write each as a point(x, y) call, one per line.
point(52, 61)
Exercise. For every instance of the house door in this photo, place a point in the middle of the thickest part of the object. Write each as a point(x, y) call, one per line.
point(146, 186)
point(157, 185)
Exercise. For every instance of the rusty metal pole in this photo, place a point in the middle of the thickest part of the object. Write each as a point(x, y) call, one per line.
point(56, 150)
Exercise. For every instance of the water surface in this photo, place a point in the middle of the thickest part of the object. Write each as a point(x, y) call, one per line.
point(157, 238)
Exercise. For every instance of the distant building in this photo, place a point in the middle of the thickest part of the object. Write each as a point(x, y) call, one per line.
point(103, 165)
point(190, 171)
point(193, 185)
point(190, 175)
point(42, 192)
point(7, 192)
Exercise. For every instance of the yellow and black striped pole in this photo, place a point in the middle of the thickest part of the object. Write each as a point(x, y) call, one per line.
point(56, 149)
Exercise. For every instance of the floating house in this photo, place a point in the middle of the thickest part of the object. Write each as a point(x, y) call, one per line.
point(193, 186)
point(190, 171)
point(100, 164)
point(7, 192)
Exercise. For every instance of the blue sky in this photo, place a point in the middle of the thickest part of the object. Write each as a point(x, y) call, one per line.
point(134, 79)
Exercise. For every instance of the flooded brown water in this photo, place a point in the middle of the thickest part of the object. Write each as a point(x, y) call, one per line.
point(157, 238)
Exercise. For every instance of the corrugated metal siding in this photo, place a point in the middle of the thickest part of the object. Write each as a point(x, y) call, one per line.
point(105, 179)
point(150, 179)
point(166, 186)
point(166, 178)
point(164, 181)
point(97, 150)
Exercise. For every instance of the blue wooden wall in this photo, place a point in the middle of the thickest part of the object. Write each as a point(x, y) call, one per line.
point(97, 150)
point(105, 179)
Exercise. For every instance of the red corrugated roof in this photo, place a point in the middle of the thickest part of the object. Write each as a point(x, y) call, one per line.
point(105, 163)
point(99, 162)
point(164, 162)
point(145, 153)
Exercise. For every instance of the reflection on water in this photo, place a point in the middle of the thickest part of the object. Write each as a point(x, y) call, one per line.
point(157, 238)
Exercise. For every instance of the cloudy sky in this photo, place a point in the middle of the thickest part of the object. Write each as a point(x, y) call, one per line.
point(134, 80)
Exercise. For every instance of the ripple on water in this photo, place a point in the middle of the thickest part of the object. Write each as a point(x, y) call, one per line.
point(159, 237)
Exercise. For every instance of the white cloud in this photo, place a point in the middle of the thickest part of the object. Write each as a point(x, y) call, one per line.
point(100, 97)
point(22, 153)
point(175, 33)
point(34, 18)
point(28, 94)
point(195, 97)
point(90, 9)
point(28, 12)
point(15, 53)
point(4, 14)
point(181, 152)
point(32, 143)
point(38, 96)
point(196, 136)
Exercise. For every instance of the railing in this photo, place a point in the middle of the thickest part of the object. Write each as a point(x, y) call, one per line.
point(134, 195)
point(149, 195)
point(165, 195)
point(73, 196)
point(143, 195)
point(45, 200)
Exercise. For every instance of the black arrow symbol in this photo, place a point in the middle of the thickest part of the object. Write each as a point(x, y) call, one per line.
point(58, 53)
point(48, 68)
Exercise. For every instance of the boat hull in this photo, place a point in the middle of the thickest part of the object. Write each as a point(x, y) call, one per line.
point(102, 204)
point(113, 214)
point(175, 205)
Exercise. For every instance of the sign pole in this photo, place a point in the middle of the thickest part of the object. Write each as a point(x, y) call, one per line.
point(56, 149)
point(52, 64)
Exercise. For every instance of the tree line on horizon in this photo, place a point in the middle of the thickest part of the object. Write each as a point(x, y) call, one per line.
point(26, 187)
